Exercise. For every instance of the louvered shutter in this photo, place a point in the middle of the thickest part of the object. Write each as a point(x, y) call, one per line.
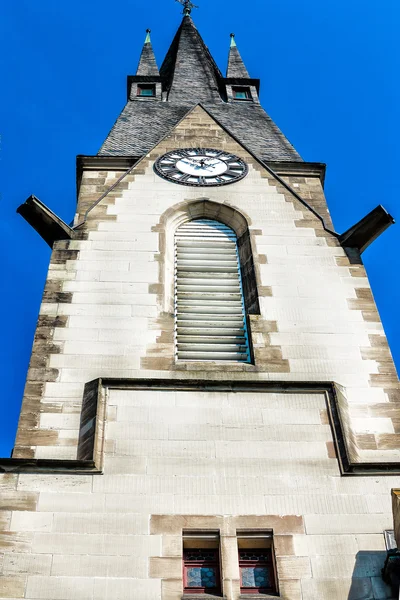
point(209, 309)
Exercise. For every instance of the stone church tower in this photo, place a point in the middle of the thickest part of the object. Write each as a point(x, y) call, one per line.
point(211, 407)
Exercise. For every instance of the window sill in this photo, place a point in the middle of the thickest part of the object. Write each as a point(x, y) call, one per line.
point(258, 596)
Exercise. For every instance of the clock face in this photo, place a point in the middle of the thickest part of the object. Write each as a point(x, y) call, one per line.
point(200, 166)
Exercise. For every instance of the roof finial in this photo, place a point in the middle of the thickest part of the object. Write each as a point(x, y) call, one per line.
point(147, 40)
point(187, 6)
point(233, 43)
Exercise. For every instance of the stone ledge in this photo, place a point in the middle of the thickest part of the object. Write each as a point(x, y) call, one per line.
point(38, 465)
point(258, 596)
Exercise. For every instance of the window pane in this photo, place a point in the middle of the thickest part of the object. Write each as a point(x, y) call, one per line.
point(205, 577)
point(255, 577)
point(241, 93)
point(146, 90)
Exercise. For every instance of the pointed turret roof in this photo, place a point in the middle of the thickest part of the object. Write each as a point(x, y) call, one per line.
point(189, 69)
point(236, 66)
point(147, 62)
point(190, 76)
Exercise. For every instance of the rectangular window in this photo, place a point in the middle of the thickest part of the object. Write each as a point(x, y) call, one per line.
point(256, 563)
point(201, 564)
point(241, 93)
point(147, 90)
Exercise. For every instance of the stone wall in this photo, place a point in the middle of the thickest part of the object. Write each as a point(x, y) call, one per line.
point(107, 308)
point(206, 460)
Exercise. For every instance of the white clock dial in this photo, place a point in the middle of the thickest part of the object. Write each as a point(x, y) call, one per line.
point(200, 167)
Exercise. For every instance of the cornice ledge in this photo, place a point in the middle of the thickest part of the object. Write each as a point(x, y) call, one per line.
point(308, 169)
point(38, 465)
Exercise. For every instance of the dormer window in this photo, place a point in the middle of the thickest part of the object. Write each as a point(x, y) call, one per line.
point(146, 90)
point(241, 93)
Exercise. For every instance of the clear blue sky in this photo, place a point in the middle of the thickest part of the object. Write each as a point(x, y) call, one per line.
point(329, 78)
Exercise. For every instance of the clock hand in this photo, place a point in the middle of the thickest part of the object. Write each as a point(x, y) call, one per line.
point(202, 167)
point(195, 165)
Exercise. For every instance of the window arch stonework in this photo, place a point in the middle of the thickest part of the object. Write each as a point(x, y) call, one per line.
point(170, 220)
point(181, 213)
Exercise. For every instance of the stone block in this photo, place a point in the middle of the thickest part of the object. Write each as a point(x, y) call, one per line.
point(26, 563)
point(18, 500)
point(12, 587)
point(59, 421)
point(118, 465)
point(160, 448)
point(327, 589)
point(291, 590)
point(371, 542)
point(342, 524)
point(129, 503)
point(165, 567)
point(8, 482)
point(31, 521)
point(330, 545)
point(59, 588)
point(293, 567)
point(100, 566)
point(171, 589)
point(111, 523)
point(71, 502)
point(12, 541)
point(229, 554)
point(172, 545)
point(55, 483)
point(284, 545)
point(96, 544)
point(126, 589)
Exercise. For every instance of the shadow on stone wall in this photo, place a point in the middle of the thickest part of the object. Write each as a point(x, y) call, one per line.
point(367, 582)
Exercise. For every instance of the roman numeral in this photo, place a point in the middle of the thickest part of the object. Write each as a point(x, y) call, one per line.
point(185, 177)
point(201, 180)
point(171, 171)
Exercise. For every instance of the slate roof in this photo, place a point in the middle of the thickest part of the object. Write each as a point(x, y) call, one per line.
point(236, 66)
point(190, 71)
point(147, 62)
point(190, 76)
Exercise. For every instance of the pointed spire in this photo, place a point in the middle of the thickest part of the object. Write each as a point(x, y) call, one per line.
point(189, 68)
point(147, 63)
point(236, 67)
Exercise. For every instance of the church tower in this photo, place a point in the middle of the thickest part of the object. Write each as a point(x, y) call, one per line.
point(211, 408)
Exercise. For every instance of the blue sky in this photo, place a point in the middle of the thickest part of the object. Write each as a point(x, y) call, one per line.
point(329, 78)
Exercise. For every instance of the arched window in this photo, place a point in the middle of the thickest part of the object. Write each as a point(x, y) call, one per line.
point(210, 319)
